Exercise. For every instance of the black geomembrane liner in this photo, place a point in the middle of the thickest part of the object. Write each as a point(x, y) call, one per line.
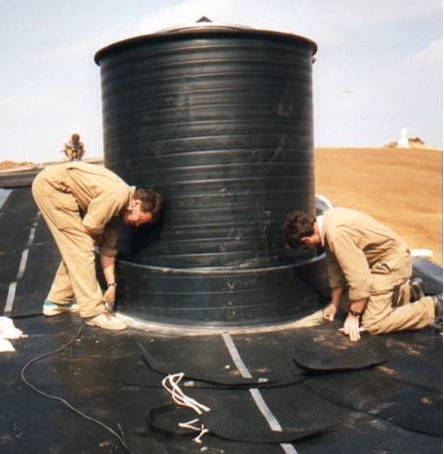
point(381, 395)
point(370, 391)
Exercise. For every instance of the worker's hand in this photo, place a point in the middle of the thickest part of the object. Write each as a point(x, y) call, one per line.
point(329, 312)
point(351, 328)
point(109, 297)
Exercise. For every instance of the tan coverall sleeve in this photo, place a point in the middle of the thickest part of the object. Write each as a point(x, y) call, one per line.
point(335, 276)
point(353, 263)
point(101, 209)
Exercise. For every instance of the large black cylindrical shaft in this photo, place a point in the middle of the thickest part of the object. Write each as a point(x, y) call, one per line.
point(219, 120)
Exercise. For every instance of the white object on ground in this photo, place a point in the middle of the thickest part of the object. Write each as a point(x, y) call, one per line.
point(6, 346)
point(403, 141)
point(8, 331)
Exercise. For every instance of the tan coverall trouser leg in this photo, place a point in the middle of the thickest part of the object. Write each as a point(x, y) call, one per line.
point(381, 317)
point(77, 273)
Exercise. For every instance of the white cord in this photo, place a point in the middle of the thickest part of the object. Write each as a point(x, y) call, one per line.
point(190, 425)
point(25, 380)
point(171, 384)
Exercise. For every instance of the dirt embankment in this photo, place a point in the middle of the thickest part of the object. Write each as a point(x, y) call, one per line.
point(400, 187)
point(8, 165)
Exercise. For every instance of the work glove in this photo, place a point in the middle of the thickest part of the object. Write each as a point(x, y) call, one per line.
point(351, 328)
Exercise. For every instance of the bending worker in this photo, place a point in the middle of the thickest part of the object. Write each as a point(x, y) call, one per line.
point(80, 203)
point(374, 264)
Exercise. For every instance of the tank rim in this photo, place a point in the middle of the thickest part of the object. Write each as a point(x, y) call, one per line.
point(195, 31)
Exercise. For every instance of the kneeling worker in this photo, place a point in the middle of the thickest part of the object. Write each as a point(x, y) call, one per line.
point(374, 264)
point(80, 202)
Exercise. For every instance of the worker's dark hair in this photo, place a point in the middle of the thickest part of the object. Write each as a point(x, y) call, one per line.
point(298, 225)
point(151, 200)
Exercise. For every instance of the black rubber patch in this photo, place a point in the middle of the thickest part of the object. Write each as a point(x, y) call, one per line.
point(230, 427)
point(362, 433)
point(205, 359)
point(370, 391)
point(325, 349)
point(299, 412)
point(415, 357)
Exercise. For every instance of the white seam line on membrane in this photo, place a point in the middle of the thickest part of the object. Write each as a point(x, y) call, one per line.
point(255, 393)
point(10, 298)
point(21, 271)
point(23, 263)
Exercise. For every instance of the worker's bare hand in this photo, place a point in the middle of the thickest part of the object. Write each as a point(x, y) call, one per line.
point(351, 328)
point(110, 295)
point(329, 312)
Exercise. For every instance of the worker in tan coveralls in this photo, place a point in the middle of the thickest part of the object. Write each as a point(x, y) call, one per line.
point(79, 202)
point(374, 264)
point(74, 149)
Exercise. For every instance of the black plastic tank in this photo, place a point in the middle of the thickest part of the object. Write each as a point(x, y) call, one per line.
point(219, 119)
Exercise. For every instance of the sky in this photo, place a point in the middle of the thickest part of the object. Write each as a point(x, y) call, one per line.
point(378, 66)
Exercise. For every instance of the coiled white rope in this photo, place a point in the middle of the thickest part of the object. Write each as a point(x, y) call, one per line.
point(171, 384)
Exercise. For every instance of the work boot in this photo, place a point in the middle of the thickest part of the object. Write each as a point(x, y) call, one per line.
point(105, 321)
point(437, 301)
point(51, 309)
point(416, 289)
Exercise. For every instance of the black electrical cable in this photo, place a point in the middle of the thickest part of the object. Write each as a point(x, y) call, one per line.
point(120, 436)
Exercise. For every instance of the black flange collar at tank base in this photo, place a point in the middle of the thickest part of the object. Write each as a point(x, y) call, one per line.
point(203, 27)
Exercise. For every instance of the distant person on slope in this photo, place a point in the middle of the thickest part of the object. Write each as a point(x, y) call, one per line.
point(373, 264)
point(74, 149)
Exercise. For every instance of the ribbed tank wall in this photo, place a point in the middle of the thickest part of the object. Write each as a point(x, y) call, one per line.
point(221, 124)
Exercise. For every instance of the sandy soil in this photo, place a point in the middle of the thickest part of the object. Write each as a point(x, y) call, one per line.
point(9, 165)
point(400, 187)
